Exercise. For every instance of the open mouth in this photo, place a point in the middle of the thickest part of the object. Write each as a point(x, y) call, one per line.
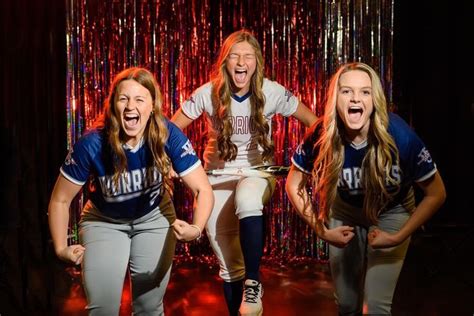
point(131, 120)
point(240, 76)
point(355, 113)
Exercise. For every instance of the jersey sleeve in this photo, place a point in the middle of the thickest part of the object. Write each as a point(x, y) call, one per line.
point(77, 165)
point(414, 155)
point(198, 102)
point(305, 153)
point(181, 151)
point(284, 101)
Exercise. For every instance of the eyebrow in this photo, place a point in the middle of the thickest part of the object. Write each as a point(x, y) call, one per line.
point(126, 95)
point(366, 87)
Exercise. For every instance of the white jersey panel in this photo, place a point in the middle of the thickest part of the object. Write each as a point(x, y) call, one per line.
point(278, 100)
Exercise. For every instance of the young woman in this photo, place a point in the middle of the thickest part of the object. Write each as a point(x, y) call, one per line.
point(239, 104)
point(363, 162)
point(128, 217)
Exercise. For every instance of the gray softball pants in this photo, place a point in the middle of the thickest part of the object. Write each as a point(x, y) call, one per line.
point(145, 245)
point(364, 277)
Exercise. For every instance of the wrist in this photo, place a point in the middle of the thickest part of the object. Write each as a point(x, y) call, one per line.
point(198, 229)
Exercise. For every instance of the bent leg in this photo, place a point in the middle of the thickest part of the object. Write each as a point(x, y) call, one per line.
point(384, 266)
point(104, 266)
point(348, 270)
point(223, 233)
point(151, 257)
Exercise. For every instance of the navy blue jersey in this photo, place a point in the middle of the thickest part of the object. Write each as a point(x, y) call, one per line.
point(140, 187)
point(415, 163)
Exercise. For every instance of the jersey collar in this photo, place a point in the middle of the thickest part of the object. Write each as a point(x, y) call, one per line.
point(242, 98)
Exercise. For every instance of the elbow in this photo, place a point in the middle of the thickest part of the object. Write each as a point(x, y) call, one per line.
point(442, 196)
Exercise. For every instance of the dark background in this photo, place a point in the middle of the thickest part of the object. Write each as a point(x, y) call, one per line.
point(433, 91)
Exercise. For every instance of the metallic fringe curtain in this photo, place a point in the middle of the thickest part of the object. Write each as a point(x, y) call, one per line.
point(303, 43)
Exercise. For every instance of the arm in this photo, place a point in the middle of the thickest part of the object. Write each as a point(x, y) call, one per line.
point(301, 201)
point(304, 115)
point(180, 119)
point(434, 196)
point(63, 193)
point(198, 182)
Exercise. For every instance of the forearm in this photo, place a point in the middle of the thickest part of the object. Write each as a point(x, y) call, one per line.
point(203, 204)
point(301, 201)
point(424, 211)
point(58, 219)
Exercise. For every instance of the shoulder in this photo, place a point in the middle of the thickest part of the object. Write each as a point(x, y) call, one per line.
point(271, 86)
point(174, 132)
point(91, 139)
point(401, 132)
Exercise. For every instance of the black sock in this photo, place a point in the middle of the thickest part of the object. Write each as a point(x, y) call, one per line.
point(233, 296)
point(251, 242)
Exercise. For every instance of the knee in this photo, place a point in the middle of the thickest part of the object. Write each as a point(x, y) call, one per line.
point(249, 206)
point(379, 305)
point(232, 273)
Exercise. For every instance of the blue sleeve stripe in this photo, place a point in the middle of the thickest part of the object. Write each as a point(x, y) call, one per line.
point(65, 175)
point(187, 171)
point(299, 167)
point(427, 176)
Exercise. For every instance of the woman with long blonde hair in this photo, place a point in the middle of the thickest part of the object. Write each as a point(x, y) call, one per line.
point(129, 218)
point(363, 161)
point(239, 104)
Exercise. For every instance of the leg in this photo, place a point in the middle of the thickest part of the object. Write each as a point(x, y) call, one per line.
point(152, 249)
point(384, 266)
point(348, 271)
point(250, 197)
point(233, 296)
point(104, 266)
point(223, 233)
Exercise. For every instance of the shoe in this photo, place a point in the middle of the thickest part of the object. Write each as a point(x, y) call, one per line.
point(252, 299)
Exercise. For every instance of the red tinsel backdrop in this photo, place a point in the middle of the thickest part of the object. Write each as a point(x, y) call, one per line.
point(303, 43)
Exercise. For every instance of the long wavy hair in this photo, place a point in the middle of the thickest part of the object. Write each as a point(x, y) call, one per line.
point(381, 155)
point(155, 134)
point(221, 99)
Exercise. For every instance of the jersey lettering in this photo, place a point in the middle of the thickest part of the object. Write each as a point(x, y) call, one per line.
point(130, 183)
point(350, 178)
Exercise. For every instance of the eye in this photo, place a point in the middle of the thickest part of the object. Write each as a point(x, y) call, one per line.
point(366, 92)
point(345, 91)
point(122, 99)
point(233, 56)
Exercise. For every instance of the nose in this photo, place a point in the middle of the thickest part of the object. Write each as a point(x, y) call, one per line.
point(131, 104)
point(355, 97)
point(240, 60)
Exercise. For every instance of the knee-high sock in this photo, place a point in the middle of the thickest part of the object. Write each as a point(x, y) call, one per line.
point(233, 296)
point(251, 242)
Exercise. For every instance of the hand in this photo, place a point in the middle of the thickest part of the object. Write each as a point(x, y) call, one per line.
point(338, 236)
point(185, 232)
point(73, 253)
point(380, 239)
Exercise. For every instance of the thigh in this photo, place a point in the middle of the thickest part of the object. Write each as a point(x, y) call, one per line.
point(223, 229)
point(252, 194)
point(151, 257)
point(104, 265)
point(348, 270)
point(384, 266)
